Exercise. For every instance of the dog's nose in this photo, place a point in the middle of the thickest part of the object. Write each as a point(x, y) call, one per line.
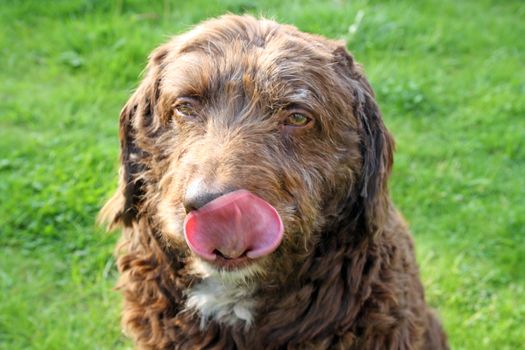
point(196, 200)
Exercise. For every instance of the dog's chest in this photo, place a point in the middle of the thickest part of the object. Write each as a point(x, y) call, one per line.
point(222, 301)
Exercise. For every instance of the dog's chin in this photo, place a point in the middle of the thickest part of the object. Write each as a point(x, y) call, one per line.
point(222, 263)
point(243, 270)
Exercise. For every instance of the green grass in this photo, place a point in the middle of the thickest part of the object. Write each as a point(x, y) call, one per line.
point(450, 78)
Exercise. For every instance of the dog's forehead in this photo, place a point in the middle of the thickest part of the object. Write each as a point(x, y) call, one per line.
point(272, 60)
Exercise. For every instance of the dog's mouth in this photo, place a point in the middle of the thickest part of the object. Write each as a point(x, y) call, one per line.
point(233, 230)
point(228, 264)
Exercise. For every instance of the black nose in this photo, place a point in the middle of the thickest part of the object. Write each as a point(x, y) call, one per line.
point(195, 201)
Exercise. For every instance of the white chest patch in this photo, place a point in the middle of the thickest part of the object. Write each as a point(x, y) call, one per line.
point(223, 297)
point(222, 301)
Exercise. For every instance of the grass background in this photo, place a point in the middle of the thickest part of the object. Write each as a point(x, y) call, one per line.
point(450, 78)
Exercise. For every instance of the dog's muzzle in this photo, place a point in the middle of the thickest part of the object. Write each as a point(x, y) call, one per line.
point(235, 226)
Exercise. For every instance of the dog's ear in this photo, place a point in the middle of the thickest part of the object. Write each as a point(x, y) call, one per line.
point(376, 148)
point(136, 122)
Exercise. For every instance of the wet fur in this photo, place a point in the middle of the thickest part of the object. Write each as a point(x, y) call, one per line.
point(344, 277)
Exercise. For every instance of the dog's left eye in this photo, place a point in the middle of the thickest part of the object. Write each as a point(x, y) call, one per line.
point(297, 120)
point(185, 108)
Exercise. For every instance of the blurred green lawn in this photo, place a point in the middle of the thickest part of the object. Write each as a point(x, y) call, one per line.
point(450, 78)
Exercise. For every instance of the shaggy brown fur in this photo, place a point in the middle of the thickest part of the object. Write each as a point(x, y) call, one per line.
point(344, 276)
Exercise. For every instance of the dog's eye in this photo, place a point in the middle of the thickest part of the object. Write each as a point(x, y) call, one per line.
point(186, 108)
point(297, 120)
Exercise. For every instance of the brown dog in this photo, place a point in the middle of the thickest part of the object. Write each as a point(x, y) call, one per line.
point(254, 204)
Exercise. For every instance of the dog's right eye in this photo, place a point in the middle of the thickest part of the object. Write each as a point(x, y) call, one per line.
point(186, 108)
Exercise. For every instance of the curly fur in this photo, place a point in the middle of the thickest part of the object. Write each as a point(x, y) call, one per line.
point(344, 277)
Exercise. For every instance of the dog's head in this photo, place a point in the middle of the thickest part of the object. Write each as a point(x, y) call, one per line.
point(252, 124)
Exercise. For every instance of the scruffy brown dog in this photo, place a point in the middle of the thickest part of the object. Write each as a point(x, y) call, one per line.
point(254, 204)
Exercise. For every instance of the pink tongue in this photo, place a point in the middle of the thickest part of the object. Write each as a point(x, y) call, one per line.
point(234, 224)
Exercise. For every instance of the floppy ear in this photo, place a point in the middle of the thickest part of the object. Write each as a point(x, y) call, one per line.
point(136, 120)
point(376, 148)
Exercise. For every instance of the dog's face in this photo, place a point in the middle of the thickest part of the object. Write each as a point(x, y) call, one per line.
point(239, 105)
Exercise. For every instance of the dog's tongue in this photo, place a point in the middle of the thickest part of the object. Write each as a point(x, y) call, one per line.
point(234, 224)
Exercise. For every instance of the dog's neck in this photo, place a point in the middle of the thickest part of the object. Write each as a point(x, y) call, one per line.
point(242, 304)
point(321, 295)
point(227, 303)
point(223, 297)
